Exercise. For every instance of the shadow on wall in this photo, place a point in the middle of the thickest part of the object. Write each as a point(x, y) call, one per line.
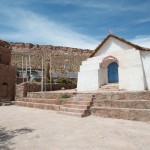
point(6, 136)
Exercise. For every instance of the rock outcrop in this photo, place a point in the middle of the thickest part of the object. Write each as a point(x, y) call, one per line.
point(63, 59)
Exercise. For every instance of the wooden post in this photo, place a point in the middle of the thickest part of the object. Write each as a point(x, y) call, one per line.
point(22, 70)
point(45, 73)
point(50, 72)
point(42, 76)
point(26, 69)
point(30, 66)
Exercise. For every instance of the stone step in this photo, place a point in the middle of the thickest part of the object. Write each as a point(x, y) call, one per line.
point(72, 114)
point(77, 106)
point(75, 110)
point(77, 98)
point(85, 95)
point(111, 84)
point(123, 95)
point(110, 87)
point(47, 95)
point(41, 100)
point(89, 103)
point(122, 113)
point(6, 104)
point(37, 105)
point(141, 104)
point(38, 95)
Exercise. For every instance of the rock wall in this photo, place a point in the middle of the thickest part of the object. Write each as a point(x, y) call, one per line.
point(23, 88)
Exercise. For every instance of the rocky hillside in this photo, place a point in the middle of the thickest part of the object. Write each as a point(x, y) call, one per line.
point(64, 59)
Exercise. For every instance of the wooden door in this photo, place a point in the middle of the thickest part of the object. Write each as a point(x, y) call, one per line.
point(113, 73)
point(4, 90)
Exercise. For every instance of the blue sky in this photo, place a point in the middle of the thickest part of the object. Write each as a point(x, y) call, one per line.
point(74, 23)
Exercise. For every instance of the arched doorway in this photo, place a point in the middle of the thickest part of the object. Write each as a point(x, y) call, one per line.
point(113, 72)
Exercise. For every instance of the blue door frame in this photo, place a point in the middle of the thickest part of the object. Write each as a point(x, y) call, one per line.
point(113, 73)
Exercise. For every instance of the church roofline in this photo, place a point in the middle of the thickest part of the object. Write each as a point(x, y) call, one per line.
point(120, 39)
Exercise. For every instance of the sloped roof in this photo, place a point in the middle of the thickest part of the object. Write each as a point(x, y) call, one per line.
point(4, 44)
point(120, 39)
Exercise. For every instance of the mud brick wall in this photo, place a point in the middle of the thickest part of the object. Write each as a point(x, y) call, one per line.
point(8, 75)
point(5, 55)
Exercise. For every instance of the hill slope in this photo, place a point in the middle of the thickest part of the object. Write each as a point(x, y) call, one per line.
point(64, 59)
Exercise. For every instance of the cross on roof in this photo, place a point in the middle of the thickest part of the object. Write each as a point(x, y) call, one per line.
point(111, 31)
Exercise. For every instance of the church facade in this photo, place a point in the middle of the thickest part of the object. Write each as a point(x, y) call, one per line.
point(116, 60)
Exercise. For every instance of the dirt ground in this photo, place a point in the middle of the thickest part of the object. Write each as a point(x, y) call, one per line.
point(34, 129)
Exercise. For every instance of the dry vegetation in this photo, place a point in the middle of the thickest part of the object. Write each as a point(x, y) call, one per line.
point(60, 56)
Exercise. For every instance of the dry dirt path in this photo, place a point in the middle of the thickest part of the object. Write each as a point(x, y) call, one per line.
point(34, 129)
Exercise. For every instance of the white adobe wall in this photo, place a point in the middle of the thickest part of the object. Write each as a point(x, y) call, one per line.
point(103, 76)
point(131, 76)
point(88, 80)
point(145, 55)
point(113, 46)
point(88, 77)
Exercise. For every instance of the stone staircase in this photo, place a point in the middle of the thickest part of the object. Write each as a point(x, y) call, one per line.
point(41, 100)
point(110, 87)
point(111, 104)
point(123, 105)
point(77, 106)
point(5, 101)
point(41, 103)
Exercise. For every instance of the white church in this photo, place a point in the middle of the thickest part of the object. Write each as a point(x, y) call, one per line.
point(116, 60)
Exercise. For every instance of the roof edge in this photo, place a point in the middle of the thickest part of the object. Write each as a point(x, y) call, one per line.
point(4, 43)
point(120, 39)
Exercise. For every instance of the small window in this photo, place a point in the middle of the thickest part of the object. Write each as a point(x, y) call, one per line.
point(4, 83)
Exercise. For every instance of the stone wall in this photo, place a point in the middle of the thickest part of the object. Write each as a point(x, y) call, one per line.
point(20, 80)
point(23, 88)
point(19, 91)
point(59, 86)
